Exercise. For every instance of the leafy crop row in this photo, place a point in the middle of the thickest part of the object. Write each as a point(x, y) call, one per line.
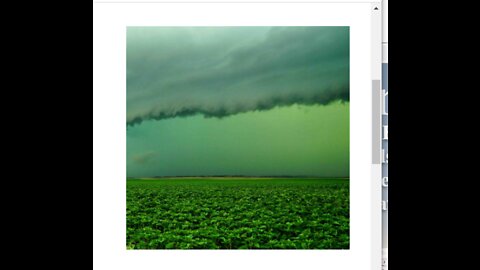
point(238, 214)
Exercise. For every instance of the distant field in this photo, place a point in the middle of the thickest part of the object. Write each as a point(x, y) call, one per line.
point(238, 213)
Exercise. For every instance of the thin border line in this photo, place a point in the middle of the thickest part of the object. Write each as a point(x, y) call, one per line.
point(220, 2)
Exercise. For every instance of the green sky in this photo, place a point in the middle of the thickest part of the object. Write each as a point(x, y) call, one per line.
point(238, 101)
point(295, 140)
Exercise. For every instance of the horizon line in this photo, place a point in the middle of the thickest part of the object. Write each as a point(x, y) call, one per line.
point(240, 176)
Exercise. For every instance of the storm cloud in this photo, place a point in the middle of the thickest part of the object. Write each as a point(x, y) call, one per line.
point(222, 71)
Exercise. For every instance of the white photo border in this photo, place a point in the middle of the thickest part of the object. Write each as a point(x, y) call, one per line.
point(109, 193)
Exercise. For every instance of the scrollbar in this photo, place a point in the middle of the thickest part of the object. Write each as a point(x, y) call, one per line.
point(376, 122)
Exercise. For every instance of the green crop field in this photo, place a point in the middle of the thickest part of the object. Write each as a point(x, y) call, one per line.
point(238, 213)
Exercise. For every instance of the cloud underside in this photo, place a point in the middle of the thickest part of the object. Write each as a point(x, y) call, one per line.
point(222, 71)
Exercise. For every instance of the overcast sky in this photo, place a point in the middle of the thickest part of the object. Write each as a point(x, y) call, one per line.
point(238, 100)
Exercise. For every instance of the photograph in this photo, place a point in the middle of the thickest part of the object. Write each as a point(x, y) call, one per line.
point(237, 137)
